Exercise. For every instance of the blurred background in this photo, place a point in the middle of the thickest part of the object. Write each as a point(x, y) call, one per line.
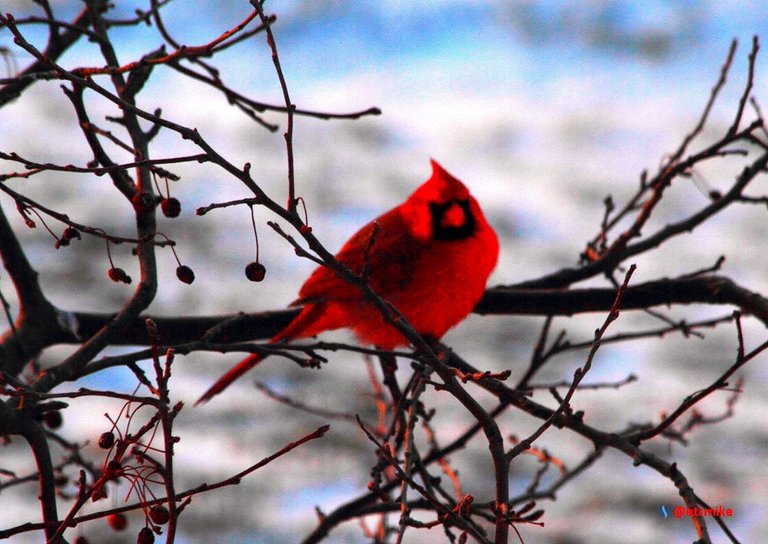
point(543, 109)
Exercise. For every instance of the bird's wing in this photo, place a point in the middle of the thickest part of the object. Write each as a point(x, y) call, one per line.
point(388, 260)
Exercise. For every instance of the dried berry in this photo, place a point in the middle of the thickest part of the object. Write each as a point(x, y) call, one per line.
point(69, 234)
point(53, 419)
point(185, 274)
point(118, 275)
point(106, 440)
point(171, 207)
point(146, 536)
point(159, 514)
point(255, 271)
point(117, 521)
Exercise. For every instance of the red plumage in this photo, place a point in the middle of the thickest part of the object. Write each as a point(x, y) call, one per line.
point(430, 259)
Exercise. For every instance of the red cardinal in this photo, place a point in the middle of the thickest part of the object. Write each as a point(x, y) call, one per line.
point(430, 259)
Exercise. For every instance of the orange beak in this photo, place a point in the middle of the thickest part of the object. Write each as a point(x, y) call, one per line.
point(453, 217)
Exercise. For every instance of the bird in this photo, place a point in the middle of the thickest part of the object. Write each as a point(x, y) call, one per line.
point(430, 257)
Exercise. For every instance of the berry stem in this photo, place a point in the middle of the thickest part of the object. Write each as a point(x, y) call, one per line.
point(255, 234)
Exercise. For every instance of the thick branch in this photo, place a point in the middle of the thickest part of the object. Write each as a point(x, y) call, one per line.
point(19, 422)
point(713, 289)
point(28, 335)
point(20, 270)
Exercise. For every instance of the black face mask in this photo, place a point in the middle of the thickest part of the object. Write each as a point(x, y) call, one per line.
point(443, 232)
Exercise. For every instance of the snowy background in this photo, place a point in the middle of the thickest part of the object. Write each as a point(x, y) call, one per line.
point(543, 109)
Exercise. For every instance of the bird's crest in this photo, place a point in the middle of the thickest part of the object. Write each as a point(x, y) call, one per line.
point(441, 187)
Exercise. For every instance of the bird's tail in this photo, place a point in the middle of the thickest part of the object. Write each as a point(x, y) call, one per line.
point(234, 373)
point(312, 320)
